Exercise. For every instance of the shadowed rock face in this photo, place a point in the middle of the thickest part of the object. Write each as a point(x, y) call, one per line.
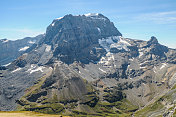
point(153, 40)
point(83, 65)
point(156, 48)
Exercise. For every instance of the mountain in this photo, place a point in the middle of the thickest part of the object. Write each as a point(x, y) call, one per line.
point(84, 66)
point(10, 50)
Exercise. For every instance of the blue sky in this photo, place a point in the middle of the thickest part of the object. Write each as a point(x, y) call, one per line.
point(138, 19)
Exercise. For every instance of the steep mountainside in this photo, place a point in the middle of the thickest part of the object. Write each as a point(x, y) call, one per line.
point(10, 50)
point(85, 66)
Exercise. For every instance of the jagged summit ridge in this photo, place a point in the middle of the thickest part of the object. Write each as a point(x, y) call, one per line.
point(92, 15)
point(97, 22)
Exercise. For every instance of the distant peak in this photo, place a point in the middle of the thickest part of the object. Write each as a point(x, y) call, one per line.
point(153, 40)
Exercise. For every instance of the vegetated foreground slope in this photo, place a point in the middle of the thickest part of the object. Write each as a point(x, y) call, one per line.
point(83, 66)
point(162, 104)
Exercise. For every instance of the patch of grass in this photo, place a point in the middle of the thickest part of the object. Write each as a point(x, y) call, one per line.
point(51, 106)
point(120, 108)
point(34, 89)
point(107, 109)
point(174, 87)
point(157, 105)
point(48, 106)
point(174, 114)
point(89, 87)
point(150, 108)
point(125, 106)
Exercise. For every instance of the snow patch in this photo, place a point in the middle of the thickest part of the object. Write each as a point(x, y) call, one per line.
point(91, 14)
point(38, 69)
point(99, 30)
point(142, 67)
point(7, 64)
point(48, 48)
point(114, 42)
point(164, 65)
point(141, 54)
point(102, 70)
point(95, 16)
point(59, 18)
point(128, 66)
point(18, 69)
point(124, 42)
point(34, 68)
point(154, 69)
point(107, 59)
point(5, 41)
point(65, 41)
point(132, 59)
point(31, 42)
point(107, 42)
point(24, 48)
point(53, 24)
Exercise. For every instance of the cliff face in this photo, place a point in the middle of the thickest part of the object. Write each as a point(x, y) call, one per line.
point(73, 37)
point(83, 65)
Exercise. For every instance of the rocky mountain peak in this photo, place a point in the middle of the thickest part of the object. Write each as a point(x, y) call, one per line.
point(153, 40)
point(74, 37)
point(156, 49)
point(93, 26)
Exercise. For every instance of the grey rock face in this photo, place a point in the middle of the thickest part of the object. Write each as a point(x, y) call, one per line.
point(75, 38)
point(80, 28)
